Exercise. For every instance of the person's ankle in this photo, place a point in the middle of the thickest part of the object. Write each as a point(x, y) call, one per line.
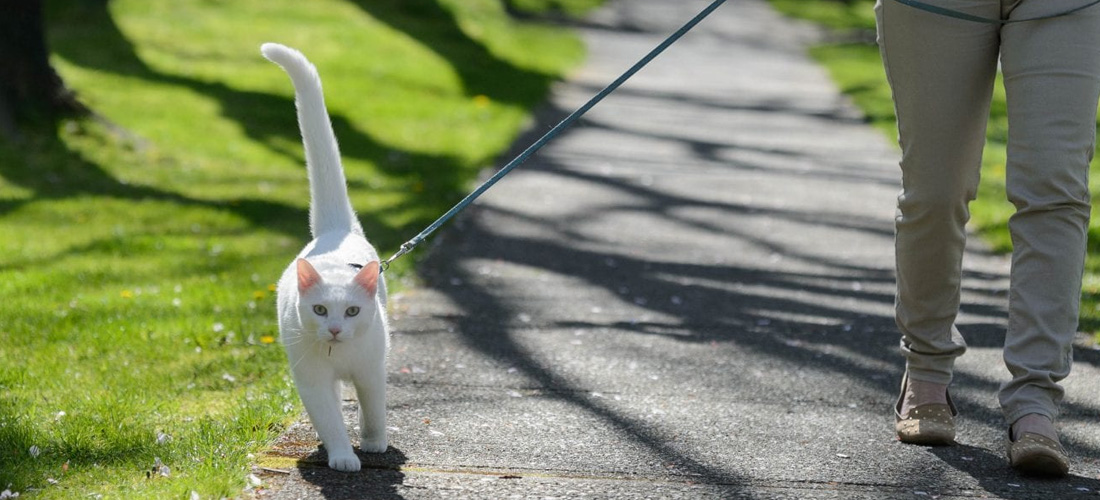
point(919, 393)
point(1034, 423)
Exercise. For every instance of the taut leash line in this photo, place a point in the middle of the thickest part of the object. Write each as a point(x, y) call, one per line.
point(943, 11)
point(569, 120)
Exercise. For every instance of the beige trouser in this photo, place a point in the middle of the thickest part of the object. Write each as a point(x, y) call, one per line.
point(942, 71)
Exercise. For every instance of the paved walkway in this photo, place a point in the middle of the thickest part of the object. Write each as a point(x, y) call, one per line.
point(688, 295)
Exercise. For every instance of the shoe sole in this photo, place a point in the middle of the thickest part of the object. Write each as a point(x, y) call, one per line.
point(1040, 466)
point(1035, 455)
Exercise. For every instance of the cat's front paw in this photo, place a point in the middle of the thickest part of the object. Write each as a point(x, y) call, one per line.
point(375, 445)
point(345, 462)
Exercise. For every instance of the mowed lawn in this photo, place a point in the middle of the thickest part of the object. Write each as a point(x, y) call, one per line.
point(857, 68)
point(138, 254)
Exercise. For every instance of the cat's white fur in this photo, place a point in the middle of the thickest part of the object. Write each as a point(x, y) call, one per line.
point(332, 317)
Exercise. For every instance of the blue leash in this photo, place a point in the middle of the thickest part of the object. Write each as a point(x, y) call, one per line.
point(916, 4)
point(569, 120)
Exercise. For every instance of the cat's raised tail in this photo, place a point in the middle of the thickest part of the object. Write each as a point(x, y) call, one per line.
point(329, 207)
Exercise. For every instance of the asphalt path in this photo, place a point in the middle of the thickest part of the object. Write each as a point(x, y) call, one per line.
point(687, 295)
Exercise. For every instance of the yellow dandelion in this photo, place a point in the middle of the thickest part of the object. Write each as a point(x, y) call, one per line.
point(126, 294)
point(271, 287)
point(259, 294)
point(267, 339)
point(482, 101)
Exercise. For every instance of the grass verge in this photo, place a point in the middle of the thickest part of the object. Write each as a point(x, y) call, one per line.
point(136, 267)
point(857, 69)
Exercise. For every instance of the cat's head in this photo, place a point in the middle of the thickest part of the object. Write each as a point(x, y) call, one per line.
point(338, 308)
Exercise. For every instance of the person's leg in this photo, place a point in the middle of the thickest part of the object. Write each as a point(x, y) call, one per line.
point(1052, 80)
point(941, 72)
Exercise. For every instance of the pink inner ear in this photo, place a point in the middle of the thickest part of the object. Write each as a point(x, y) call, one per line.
point(368, 278)
point(307, 275)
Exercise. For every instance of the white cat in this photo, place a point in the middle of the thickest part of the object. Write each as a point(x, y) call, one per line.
point(332, 298)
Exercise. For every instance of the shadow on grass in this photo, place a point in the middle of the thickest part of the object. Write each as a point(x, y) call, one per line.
point(86, 35)
point(16, 439)
point(28, 456)
point(45, 165)
point(481, 71)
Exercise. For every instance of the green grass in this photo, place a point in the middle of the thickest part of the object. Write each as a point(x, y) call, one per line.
point(857, 69)
point(841, 15)
point(136, 266)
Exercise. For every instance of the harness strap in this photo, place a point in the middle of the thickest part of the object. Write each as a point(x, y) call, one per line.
point(943, 11)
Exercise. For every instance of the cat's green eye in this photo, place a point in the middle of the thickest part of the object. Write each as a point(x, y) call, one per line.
point(320, 310)
point(352, 311)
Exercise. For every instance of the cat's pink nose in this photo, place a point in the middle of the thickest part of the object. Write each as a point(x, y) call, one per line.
point(334, 331)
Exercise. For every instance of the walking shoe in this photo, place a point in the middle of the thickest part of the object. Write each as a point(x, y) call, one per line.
point(930, 424)
point(1037, 455)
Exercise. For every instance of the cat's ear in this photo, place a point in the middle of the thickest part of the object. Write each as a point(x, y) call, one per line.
point(307, 276)
point(368, 278)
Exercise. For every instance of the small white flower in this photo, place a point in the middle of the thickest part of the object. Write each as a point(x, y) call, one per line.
point(160, 468)
point(218, 327)
point(229, 378)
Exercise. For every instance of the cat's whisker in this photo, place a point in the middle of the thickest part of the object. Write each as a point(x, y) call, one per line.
point(292, 340)
point(296, 363)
